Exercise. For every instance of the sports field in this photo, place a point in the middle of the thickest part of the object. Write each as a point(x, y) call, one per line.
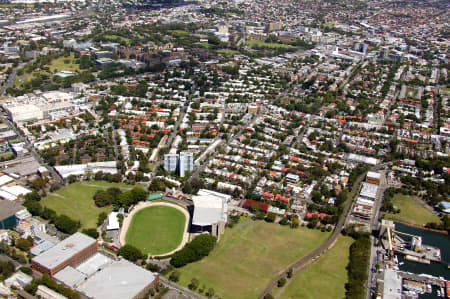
point(75, 200)
point(249, 256)
point(324, 279)
point(156, 229)
point(411, 211)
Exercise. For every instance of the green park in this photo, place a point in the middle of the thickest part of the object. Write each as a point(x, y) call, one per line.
point(249, 255)
point(326, 278)
point(410, 211)
point(76, 201)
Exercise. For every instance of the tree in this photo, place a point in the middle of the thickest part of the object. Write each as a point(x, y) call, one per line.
point(66, 224)
point(281, 282)
point(33, 207)
point(34, 195)
point(187, 188)
point(295, 222)
point(271, 217)
point(195, 250)
point(102, 198)
point(101, 218)
point(91, 232)
point(210, 293)
point(130, 253)
point(284, 221)
point(193, 285)
point(24, 244)
point(174, 276)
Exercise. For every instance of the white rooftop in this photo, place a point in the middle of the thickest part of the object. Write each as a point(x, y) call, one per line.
point(64, 250)
point(119, 280)
point(210, 207)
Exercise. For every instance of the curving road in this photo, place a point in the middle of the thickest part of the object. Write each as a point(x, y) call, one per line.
point(303, 261)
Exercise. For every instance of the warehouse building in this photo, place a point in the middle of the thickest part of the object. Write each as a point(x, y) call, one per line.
point(70, 252)
point(373, 178)
point(119, 280)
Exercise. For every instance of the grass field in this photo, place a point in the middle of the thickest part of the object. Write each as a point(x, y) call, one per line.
point(117, 38)
point(228, 52)
point(324, 279)
point(249, 256)
point(156, 230)
point(75, 201)
point(258, 43)
point(54, 66)
point(59, 65)
point(411, 211)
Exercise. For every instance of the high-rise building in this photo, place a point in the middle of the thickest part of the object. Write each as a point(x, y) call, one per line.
point(186, 162)
point(170, 162)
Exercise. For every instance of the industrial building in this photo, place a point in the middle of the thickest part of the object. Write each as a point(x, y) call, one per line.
point(70, 252)
point(119, 280)
point(210, 211)
point(37, 107)
point(373, 177)
point(83, 169)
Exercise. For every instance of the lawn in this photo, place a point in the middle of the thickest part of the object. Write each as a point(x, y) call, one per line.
point(228, 52)
point(411, 211)
point(75, 201)
point(59, 65)
point(324, 279)
point(117, 38)
point(156, 230)
point(249, 256)
point(261, 44)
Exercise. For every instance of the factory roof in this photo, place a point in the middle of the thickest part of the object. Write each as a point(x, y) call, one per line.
point(64, 250)
point(70, 276)
point(369, 190)
point(120, 280)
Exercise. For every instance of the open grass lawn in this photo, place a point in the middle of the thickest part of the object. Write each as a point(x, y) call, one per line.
point(411, 211)
point(249, 256)
point(54, 66)
point(259, 43)
point(107, 184)
point(156, 230)
point(228, 52)
point(117, 38)
point(324, 279)
point(59, 65)
point(75, 201)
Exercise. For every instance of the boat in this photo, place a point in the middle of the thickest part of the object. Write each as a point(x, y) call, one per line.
point(429, 288)
point(439, 293)
point(401, 263)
